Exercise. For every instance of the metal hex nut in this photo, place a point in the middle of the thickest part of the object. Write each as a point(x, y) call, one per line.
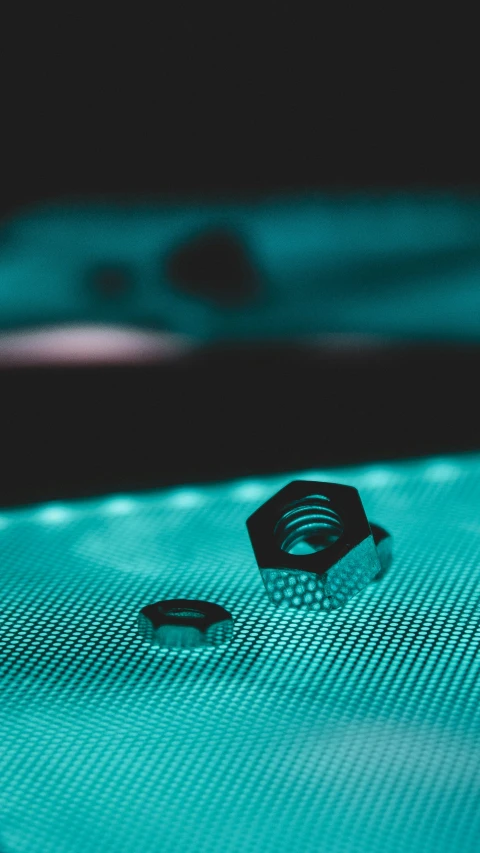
point(326, 519)
point(183, 623)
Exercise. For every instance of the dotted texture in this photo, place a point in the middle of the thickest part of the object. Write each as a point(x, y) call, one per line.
point(342, 581)
point(356, 730)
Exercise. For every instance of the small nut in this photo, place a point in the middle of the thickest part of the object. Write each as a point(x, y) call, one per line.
point(314, 546)
point(185, 624)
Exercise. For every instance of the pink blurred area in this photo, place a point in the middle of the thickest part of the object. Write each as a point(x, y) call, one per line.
point(89, 345)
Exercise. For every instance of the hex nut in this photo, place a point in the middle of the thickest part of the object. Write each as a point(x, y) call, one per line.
point(329, 520)
point(183, 623)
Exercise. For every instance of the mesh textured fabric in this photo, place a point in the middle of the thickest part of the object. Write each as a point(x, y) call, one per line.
point(356, 730)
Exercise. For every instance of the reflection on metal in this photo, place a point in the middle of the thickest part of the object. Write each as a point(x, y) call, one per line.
point(383, 541)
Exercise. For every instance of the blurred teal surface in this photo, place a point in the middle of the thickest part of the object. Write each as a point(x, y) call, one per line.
point(388, 264)
point(357, 730)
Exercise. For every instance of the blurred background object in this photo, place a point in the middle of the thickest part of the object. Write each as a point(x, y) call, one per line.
point(401, 265)
point(146, 343)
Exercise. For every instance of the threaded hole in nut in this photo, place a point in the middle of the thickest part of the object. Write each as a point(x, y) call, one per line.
point(308, 525)
point(183, 613)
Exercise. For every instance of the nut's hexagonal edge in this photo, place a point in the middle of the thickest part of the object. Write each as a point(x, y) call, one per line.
point(261, 526)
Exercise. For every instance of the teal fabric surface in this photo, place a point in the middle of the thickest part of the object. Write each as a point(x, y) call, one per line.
point(356, 730)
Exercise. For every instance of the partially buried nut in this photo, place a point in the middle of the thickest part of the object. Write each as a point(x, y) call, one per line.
point(314, 546)
point(183, 623)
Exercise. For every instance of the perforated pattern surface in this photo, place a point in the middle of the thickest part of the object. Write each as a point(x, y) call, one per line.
point(354, 730)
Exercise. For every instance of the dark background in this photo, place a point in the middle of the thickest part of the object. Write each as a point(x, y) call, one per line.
point(198, 102)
